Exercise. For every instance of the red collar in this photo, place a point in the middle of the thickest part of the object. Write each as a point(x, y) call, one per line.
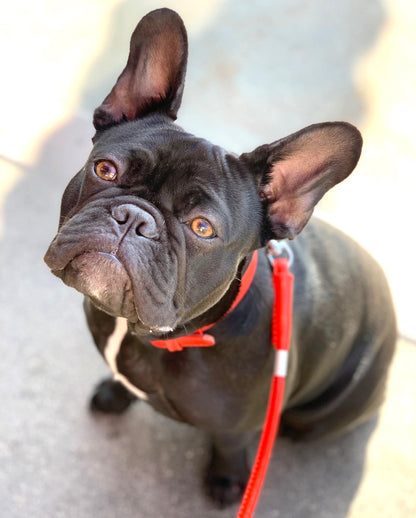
point(199, 338)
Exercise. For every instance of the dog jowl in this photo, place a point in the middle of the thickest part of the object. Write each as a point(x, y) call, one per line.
point(159, 227)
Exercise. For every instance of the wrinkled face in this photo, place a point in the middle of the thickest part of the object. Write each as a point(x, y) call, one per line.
point(155, 225)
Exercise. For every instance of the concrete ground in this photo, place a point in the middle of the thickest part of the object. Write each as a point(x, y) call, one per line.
point(257, 71)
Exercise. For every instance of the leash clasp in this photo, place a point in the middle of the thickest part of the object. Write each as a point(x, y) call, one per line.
point(277, 249)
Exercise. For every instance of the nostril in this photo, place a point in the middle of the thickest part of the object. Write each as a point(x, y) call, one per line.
point(147, 229)
point(139, 220)
point(120, 214)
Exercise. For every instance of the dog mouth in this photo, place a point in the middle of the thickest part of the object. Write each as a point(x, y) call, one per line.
point(101, 277)
point(105, 280)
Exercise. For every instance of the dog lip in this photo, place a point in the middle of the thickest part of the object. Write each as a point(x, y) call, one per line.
point(102, 277)
point(66, 267)
point(50, 260)
point(53, 262)
point(149, 326)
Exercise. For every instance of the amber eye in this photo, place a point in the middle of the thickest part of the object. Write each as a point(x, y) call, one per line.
point(202, 228)
point(106, 170)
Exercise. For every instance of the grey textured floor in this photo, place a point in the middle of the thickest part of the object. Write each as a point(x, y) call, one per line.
point(257, 71)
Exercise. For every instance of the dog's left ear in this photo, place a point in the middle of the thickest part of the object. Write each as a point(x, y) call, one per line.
point(295, 172)
point(154, 76)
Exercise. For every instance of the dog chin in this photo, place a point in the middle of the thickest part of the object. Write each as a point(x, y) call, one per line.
point(102, 278)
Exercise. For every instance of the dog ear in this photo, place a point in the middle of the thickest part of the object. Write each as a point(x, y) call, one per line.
point(154, 76)
point(295, 172)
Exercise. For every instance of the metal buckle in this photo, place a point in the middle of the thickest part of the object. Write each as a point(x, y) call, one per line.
point(278, 249)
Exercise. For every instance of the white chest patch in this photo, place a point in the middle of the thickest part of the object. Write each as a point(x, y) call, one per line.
point(111, 351)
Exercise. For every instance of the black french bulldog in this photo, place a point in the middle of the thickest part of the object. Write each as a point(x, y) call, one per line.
point(157, 230)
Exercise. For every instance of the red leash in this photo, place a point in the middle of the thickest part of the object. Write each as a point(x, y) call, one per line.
point(281, 330)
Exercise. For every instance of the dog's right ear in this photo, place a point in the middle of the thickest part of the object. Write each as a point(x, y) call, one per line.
point(154, 76)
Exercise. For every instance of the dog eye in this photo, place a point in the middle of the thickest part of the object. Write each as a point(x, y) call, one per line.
point(106, 170)
point(202, 228)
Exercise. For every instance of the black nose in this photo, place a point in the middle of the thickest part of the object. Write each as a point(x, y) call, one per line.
point(133, 217)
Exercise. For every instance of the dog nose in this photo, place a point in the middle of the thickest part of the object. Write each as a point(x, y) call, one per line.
point(132, 216)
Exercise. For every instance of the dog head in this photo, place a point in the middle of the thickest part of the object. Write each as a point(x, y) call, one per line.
point(157, 224)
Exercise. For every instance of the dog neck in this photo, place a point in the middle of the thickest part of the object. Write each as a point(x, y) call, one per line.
point(200, 338)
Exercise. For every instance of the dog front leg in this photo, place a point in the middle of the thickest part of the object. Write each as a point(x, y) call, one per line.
point(228, 471)
point(110, 396)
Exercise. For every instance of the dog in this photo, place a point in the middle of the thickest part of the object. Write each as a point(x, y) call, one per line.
point(158, 229)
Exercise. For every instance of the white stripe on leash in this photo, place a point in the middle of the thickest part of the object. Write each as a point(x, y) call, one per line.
point(111, 351)
point(281, 363)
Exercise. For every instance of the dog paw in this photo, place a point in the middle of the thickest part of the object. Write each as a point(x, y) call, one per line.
point(111, 397)
point(225, 490)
